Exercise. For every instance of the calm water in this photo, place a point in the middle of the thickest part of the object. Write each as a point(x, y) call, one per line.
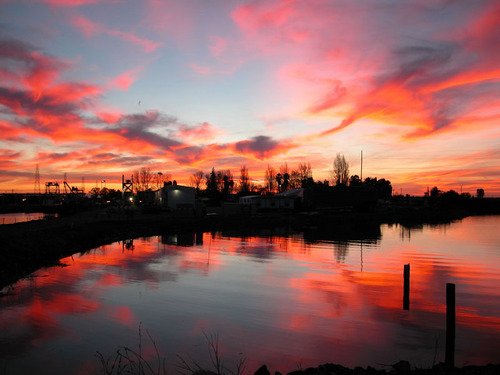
point(19, 217)
point(286, 301)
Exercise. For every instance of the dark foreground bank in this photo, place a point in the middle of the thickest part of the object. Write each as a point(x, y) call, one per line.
point(400, 368)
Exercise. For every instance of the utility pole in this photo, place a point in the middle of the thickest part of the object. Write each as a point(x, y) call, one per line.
point(37, 180)
point(361, 177)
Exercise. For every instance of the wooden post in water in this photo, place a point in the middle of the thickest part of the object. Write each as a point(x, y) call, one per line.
point(450, 326)
point(406, 294)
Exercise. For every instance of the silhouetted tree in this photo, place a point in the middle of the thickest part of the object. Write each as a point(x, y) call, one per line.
point(383, 186)
point(305, 171)
point(284, 168)
point(295, 180)
point(143, 179)
point(284, 177)
point(480, 193)
point(228, 183)
point(225, 181)
point(279, 180)
point(161, 178)
point(286, 182)
point(109, 195)
point(195, 180)
point(355, 181)
point(309, 182)
point(340, 172)
point(271, 179)
point(244, 180)
point(448, 199)
point(212, 182)
point(435, 192)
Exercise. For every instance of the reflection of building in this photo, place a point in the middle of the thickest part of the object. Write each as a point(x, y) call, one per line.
point(176, 197)
point(182, 239)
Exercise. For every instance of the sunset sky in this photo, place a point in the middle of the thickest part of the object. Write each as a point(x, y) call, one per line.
point(100, 88)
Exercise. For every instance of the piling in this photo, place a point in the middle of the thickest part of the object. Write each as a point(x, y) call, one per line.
point(450, 326)
point(406, 294)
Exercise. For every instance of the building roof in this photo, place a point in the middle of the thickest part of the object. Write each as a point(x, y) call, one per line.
point(178, 187)
point(293, 193)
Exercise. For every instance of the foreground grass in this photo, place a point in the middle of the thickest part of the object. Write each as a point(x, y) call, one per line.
point(132, 361)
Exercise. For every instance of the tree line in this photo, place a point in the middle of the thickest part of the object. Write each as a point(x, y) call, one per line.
point(224, 183)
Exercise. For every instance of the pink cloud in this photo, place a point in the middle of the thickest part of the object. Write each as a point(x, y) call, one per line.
point(217, 46)
point(170, 18)
point(88, 28)
point(200, 69)
point(218, 68)
point(147, 45)
point(261, 15)
point(75, 3)
point(126, 79)
point(109, 117)
point(200, 133)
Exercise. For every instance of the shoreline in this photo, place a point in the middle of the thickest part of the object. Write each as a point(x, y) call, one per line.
point(31, 245)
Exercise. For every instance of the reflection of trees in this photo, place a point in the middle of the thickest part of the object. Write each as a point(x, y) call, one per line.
point(406, 231)
point(367, 232)
point(340, 249)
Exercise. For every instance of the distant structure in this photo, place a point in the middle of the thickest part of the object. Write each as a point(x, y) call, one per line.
point(37, 180)
point(65, 182)
point(127, 188)
point(83, 184)
point(70, 189)
point(52, 188)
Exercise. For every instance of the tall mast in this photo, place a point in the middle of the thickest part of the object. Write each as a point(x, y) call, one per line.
point(361, 166)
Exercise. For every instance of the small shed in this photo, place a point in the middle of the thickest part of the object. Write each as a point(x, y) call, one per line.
point(175, 196)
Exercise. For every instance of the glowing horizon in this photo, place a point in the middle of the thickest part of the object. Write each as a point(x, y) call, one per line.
point(100, 88)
